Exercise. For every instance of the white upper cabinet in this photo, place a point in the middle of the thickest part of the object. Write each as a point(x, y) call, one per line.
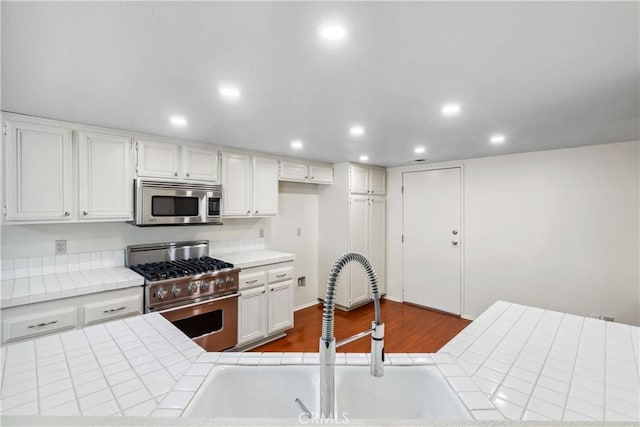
point(305, 172)
point(365, 180)
point(290, 171)
point(158, 159)
point(236, 184)
point(39, 171)
point(105, 176)
point(377, 181)
point(265, 186)
point(321, 174)
point(200, 164)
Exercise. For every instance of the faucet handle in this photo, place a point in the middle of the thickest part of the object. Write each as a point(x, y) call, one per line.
point(377, 349)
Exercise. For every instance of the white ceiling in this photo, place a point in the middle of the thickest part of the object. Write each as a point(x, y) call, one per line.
point(545, 74)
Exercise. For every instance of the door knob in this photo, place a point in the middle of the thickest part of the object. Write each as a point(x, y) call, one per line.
point(454, 232)
point(454, 242)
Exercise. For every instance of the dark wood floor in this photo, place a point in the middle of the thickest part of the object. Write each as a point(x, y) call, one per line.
point(408, 329)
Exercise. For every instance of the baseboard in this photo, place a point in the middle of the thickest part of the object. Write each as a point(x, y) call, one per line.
point(252, 345)
point(307, 305)
point(467, 317)
point(390, 298)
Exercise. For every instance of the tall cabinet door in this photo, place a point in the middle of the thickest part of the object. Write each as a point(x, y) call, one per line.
point(359, 242)
point(265, 186)
point(105, 176)
point(236, 185)
point(39, 172)
point(377, 240)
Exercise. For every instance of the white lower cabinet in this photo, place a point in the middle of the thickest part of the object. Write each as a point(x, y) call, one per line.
point(252, 315)
point(30, 320)
point(280, 308)
point(265, 306)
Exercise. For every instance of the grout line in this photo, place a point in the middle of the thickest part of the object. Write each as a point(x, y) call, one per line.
point(573, 370)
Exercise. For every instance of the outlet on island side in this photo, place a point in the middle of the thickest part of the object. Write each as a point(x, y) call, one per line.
point(61, 247)
point(302, 282)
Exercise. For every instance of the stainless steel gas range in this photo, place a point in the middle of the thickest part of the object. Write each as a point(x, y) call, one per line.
point(196, 293)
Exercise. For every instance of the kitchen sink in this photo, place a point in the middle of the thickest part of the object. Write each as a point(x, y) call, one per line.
point(404, 392)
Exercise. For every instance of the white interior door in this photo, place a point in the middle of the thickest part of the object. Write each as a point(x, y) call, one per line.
point(431, 229)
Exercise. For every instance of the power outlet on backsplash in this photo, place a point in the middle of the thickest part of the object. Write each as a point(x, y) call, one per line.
point(602, 317)
point(302, 282)
point(61, 247)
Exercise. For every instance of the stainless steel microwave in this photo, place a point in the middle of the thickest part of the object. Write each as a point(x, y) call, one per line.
point(176, 203)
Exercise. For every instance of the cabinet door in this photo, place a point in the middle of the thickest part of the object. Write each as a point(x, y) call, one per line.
point(280, 306)
point(290, 171)
point(377, 240)
point(321, 174)
point(252, 315)
point(200, 164)
point(358, 179)
point(158, 159)
point(236, 185)
point(39, 172)
point(359, 242)
point(105, 176)
point(265, 186)
point(377, 181)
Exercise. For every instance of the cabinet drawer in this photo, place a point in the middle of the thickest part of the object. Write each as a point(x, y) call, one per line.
point(27, 326)
point(251, 280)
point(103, 311)
point(280, 274)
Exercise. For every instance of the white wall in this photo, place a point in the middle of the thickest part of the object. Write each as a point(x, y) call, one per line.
point(555, 229)
point(298, 208)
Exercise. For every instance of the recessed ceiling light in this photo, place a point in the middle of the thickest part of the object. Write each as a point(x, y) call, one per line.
point(333, 32)
point(229, 91)
point(356, 130)
point(419, 150)
point(178, 121)
point(498, 139)
point(296, 144)
point(451, 109)
point(364, 158)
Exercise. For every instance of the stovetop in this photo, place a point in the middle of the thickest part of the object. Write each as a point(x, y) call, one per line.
point(155, 271)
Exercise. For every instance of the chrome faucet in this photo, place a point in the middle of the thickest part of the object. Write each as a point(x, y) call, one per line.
point(328, 341)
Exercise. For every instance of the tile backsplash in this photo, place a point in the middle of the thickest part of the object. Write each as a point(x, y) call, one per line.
point(43, 265)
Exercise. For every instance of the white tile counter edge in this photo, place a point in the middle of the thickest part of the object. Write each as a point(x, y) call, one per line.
point(248, 259)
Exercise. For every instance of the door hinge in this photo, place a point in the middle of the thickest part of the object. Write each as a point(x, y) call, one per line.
point(402, 238)
point(402, 189)
point(4, 130)
point(4, 210)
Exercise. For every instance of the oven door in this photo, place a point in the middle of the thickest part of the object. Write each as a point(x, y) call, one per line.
point(212, 324)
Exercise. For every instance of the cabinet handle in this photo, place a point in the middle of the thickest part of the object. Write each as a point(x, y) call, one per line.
point(248, 212)
point(280, 276)
point(264, 292)
point(67, 213)
point(113, 310)
point(40, 325)
point(175, 174)
point(454, 242)
point(85, 213)
point(248, 282)
point(256, 211)
point(306, 177)
point(312, 177)
point(188, 174)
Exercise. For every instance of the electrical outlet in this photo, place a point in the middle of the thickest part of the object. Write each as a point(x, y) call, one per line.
point(302, 282)
point(61, 247)
point(299, 232)
point(261, 232)
point(602, 317)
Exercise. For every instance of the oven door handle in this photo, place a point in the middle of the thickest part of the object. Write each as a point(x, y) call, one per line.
point(180, 307)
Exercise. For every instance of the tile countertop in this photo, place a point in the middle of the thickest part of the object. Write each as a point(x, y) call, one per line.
point(529, 363)
point(248, 259)
point(542, 365)
point(38, 279)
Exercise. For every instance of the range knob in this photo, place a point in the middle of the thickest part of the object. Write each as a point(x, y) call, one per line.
point(160, 293)
point(218, 283)
point(230, 280)
point(193, 287)
point(176, 291)
point(204, 285)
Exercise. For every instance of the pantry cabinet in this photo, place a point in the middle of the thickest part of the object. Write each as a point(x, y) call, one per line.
point(39, 174)
point(353, 219)
point(104, 175)
point(265, 306)
point(249, 186)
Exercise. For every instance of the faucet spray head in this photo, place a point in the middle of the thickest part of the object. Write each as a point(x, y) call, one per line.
point(377, 349)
